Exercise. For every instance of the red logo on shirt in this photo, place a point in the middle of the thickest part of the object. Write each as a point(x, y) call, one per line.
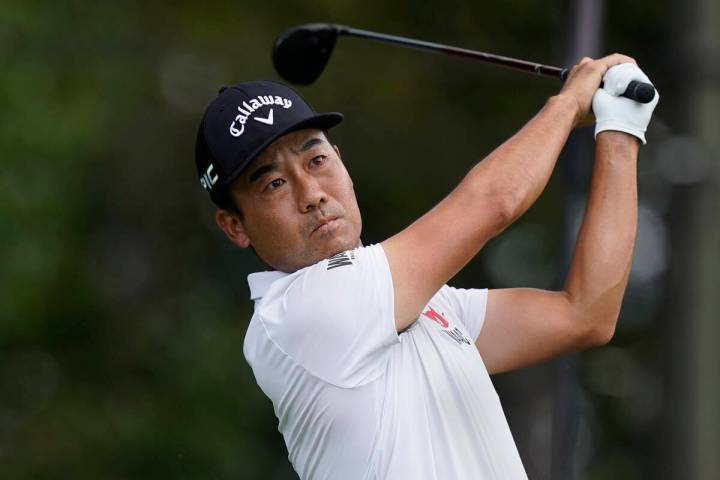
point(456, 334)
point(436, 317)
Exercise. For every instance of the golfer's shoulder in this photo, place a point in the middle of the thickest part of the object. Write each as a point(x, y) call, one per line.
point(333, 287)
point(337, 311)
point(345, 271)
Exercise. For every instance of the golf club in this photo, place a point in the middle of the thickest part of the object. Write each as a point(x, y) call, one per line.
point(301, 53)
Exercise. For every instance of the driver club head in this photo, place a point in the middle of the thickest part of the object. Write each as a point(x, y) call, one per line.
point(301, 53)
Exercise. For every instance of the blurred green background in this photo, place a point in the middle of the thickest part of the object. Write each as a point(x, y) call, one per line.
point(123, 308)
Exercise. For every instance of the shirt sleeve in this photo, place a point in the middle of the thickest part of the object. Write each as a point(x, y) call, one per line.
point(470, 305)
point(335, 318)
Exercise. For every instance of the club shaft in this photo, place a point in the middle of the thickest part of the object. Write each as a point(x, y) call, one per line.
point(509, 62)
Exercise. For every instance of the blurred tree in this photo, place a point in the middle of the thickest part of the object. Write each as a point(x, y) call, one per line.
point(691, 423)
point(124, 309)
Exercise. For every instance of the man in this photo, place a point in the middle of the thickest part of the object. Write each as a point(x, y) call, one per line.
point(375, 367)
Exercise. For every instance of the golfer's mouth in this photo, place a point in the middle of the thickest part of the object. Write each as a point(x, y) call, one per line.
point(326, 225)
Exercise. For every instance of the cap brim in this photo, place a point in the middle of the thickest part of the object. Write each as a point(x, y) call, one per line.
point(322, 121)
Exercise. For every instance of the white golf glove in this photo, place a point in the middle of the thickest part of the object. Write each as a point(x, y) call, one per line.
point(613, 112)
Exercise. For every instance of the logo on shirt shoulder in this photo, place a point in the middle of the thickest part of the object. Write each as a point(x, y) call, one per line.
point(455, 333)
point(341, 259)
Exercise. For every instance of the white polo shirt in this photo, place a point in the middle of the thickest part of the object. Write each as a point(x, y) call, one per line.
point(356, 400)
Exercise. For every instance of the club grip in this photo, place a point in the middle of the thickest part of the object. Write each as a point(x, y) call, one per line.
point(640, 92)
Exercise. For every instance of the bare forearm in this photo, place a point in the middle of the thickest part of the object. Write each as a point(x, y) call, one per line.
point(518, 170)
point(603, 254)
point(492, 195)
point(585, 313)
point(501, 187)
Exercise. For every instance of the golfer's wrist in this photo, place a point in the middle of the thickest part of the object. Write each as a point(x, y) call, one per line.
point(620, 141)
point(567, 104)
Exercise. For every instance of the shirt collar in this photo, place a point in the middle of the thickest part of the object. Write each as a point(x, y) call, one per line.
point(260, 282)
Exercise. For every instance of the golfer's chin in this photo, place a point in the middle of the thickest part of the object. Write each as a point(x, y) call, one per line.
point(333, 238)
point(327, 247)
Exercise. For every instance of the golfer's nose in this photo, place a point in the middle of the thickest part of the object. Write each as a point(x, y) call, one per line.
point(311, 193)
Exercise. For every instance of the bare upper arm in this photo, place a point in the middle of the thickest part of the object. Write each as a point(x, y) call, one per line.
point(492, 195)
point(524, 326)
point(425, 255)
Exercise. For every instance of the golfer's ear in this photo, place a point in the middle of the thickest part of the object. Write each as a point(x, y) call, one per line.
point(230, 223)
point(337, 150)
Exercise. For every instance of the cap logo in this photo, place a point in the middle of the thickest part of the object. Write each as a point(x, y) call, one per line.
point(209, 178)
point(237, 127)
point(266, 121)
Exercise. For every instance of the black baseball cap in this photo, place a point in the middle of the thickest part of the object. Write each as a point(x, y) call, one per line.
point(241, 122)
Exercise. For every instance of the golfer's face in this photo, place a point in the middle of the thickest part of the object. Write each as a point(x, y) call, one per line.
point(298, 202)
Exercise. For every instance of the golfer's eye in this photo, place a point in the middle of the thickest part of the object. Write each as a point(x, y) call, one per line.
point(278, 182)
point(317, 161)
